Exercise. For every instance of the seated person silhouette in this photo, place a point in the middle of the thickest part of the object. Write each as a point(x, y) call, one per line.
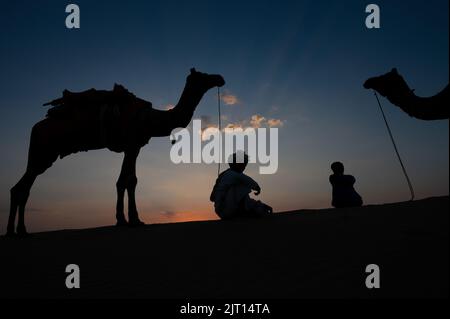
point(344, 194)
point(231, 192)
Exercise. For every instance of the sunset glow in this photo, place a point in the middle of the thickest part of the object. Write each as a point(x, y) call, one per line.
point(294, 65)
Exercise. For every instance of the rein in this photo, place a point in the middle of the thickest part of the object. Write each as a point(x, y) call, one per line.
point(411, 189)
point(219, 123)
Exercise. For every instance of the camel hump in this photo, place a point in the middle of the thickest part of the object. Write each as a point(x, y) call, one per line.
point(86, 103)
point(70, 97)
point(119, 88)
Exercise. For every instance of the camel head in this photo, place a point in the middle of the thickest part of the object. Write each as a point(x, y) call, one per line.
point(204, 81)
point(389, 84)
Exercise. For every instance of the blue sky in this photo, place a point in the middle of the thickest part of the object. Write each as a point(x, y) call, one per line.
point(302, 62)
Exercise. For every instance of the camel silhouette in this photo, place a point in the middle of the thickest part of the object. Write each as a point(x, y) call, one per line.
point(92, 120)
point(392, 86)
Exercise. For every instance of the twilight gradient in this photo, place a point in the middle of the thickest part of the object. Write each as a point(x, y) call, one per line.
point(302, 62)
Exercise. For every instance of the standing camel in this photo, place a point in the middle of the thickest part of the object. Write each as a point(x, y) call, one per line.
point(392, 86)
point(92, 120)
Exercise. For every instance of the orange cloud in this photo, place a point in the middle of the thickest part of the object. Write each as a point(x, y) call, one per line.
point(275, 123)
point(257, 120)
point(229, 99)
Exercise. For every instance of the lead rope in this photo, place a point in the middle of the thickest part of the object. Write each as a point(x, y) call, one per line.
point(220, 130)
point(411, 189)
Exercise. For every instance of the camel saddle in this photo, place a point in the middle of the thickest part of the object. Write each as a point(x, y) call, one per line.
point(77, 101)
point(114, 116)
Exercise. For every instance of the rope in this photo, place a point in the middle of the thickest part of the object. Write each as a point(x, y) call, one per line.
point(411, 189)
point(220, 130)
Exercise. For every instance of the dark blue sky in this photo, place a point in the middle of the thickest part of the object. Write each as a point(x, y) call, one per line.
point(302, 62)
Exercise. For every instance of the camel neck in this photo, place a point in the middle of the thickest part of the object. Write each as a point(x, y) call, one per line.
point(402, 97)
point(184, 110)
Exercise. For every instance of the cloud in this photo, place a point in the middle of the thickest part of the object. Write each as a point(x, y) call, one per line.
point(168, 213)
point(229, 99)
point(275, 123)
point(234, 125)
point(257, 121)
point(206, 121)
point(168, 107)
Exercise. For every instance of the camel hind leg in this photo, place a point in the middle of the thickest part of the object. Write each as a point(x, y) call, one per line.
point(41, 156)
point(19, 197)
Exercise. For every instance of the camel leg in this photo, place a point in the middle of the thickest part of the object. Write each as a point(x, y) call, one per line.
point(133, 216)
point(120, 215)
point(19, 197)
point(41, 155)
point(127, 181)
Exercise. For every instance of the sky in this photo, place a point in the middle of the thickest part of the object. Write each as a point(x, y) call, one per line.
point(299, 63)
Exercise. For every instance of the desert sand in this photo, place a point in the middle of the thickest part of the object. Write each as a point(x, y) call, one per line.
point(301, 254)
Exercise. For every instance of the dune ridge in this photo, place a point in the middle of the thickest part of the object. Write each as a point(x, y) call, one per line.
point(301, 254)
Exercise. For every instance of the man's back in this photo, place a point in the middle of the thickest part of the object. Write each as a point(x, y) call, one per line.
point(344, 194)
point(230, 192)
point(228, 179)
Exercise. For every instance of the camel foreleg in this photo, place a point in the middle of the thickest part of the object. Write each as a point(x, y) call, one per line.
point(127, 182)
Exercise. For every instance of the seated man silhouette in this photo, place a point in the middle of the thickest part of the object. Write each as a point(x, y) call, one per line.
point(231, 192)
point(344, 194)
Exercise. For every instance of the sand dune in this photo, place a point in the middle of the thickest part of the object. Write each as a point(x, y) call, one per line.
point(303, 254)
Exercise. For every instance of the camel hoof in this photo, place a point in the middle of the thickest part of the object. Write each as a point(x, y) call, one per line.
point(10, 234)
point(22, 232)
point(136, 223)
point(23, 235)
point(121, 223)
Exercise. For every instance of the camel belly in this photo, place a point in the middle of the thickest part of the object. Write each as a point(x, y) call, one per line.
point(97, 128)
point(63, 137)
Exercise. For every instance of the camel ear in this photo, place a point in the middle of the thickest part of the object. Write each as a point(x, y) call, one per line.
point(193, 71)
point(394, 70)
